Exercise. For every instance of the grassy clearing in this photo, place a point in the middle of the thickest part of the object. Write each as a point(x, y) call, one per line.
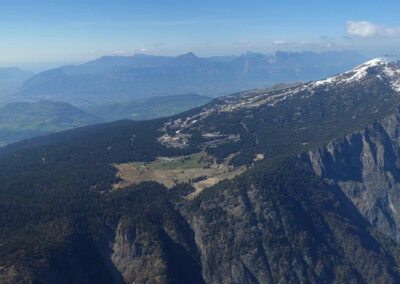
point(200, 170)
point(195, 161)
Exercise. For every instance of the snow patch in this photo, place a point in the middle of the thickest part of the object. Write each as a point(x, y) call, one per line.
point(354, 75)
point(394, 76)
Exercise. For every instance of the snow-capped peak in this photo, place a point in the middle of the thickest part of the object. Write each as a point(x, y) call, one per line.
point(389, 71)
point(372, 62)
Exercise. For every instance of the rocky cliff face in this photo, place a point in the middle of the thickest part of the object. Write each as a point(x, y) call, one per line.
point(281, 225)
point(161, 251)
point(291, 230)
point(138, 257)
point(366, 167)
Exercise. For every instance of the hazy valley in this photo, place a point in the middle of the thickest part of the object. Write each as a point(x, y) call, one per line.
point(144, 87)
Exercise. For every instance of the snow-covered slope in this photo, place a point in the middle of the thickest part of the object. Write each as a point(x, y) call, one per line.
point(367, 84)
point(380, 67)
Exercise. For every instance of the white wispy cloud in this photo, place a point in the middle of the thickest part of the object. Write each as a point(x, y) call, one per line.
point(120, 52)
point(279, 42)
point(367, 29)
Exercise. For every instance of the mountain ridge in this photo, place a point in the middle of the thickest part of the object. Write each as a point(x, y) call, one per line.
point(145, 75)
point(11, 78)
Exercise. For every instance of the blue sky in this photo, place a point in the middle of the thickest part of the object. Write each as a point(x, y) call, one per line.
point(38, 31)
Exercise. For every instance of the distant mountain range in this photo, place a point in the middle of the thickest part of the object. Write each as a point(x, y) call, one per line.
point(11, 79)
point(121, 78)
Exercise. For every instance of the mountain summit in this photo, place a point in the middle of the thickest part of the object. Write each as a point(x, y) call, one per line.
point(188, 55)
point(381, 68)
